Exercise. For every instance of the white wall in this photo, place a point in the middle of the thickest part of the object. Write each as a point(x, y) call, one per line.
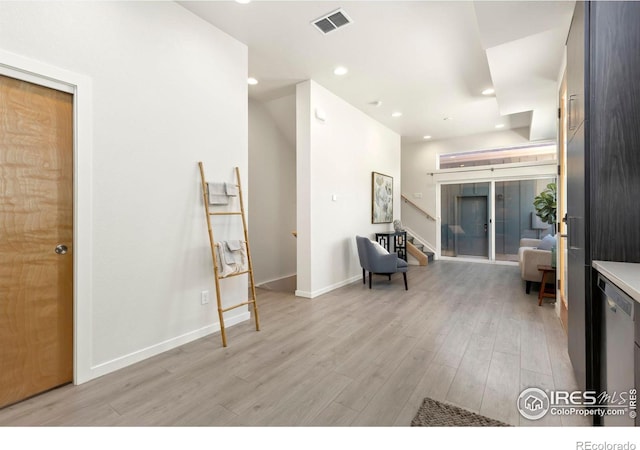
point(336, 158)
point(272, 171)
point(419, 161)
point(168, 90)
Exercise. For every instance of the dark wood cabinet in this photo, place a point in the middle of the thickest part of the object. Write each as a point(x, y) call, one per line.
point(576, 71)
point(615, 131)
point(577, 266)
point(603, 162)
point(577, 193)
point(577, 318)
point(577, 199)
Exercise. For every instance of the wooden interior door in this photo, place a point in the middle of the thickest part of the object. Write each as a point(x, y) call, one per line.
point(36, 219)
point(562, 254)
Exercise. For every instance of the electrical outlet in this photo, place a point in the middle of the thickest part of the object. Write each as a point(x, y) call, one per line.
point(204, 297)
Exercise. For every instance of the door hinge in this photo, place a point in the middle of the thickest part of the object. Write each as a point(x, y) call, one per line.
point(559, 171)
point(559, 113)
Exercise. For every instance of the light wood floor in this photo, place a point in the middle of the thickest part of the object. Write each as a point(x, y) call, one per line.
point(465, 333)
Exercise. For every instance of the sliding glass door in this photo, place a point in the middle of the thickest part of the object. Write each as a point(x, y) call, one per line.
point(465, 220)
point(487, 220)
point(516, 217)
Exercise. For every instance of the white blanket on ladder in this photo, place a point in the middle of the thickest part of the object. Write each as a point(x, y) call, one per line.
point(219, 193)
point(231, 257)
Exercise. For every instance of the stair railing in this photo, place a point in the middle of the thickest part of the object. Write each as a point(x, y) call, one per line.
point(428, 216)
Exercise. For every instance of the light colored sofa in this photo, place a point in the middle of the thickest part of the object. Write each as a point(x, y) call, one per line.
point(529, 257)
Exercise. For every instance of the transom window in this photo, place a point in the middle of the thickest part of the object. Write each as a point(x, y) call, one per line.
point(546, 151)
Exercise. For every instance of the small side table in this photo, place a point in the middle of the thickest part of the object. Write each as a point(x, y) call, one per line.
point(397, 238)
point(548, 276)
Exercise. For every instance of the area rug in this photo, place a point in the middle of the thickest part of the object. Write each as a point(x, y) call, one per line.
point(433, 413)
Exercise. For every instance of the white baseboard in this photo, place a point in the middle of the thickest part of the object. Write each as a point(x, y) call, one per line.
point(304, 294)
point(479, 260)
point(161, 347)
point(319, 292)
point(260, 283)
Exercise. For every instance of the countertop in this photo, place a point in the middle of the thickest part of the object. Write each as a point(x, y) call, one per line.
point(624, 275)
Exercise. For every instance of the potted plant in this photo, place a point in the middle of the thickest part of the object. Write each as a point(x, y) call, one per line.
point(546, 205)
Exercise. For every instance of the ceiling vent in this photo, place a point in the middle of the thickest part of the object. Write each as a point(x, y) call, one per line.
point(332, 21)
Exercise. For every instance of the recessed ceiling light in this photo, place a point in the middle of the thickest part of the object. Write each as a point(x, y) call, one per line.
point(252, 81)
point(426, 137)
point(461, 165)
point(396, 114)
point(448, 118)
point(489, 91)
point(243, 2)
point(500, 125)
point(376, 103)
point(340, 70)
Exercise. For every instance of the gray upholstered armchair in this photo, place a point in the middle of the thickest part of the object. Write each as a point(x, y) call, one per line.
point(378, 261)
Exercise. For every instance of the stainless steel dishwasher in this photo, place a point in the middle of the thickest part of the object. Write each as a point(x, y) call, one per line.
point(618, 347)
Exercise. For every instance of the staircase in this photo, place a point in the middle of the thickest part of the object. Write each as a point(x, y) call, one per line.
point(414, 247)
point(418, 251)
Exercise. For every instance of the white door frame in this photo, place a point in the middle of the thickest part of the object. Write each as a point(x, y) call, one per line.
point(492, 216)
point(80, 86)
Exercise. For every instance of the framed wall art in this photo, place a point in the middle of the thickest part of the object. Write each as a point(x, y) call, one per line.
point(381, 198)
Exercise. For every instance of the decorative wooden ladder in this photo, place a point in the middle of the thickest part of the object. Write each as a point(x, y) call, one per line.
point(216, 269)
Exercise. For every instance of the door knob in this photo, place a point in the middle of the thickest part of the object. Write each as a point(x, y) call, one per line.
point(61, 249)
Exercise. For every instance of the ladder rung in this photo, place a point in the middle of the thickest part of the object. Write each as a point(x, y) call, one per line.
point(233, 275)
point(239, 240)
point(238, 305)
point(231, 213)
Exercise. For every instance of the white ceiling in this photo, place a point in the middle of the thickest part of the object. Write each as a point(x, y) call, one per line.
point(427, 59)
